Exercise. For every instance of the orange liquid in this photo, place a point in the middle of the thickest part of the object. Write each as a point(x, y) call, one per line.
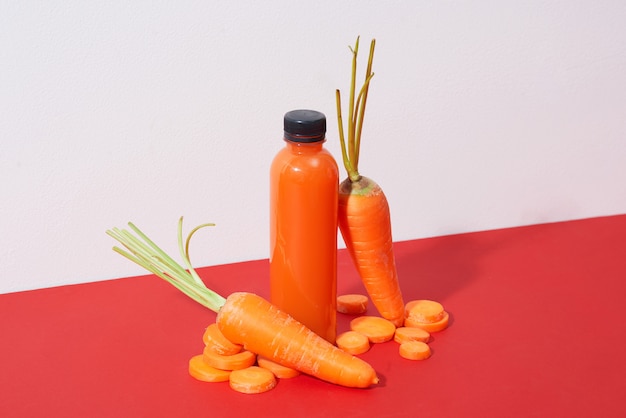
point(303, 235)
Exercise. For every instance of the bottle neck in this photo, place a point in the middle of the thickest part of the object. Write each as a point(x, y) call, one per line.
point(304, 147)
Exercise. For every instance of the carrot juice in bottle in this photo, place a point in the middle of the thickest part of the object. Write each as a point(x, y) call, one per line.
point(304, 182)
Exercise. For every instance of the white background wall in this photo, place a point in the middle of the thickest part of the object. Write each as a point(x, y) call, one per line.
point(482, 114)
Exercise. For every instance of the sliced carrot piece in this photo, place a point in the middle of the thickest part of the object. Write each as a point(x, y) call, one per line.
point(352, 304)
point(424, 310)
point(414, 350)
point(237, 361)
point(202, 371)
point(280, 371)
point(353, 342)
point(430, 326)
point(253, 379)
point(375, 328)
point(405, 334)
point(214, 338)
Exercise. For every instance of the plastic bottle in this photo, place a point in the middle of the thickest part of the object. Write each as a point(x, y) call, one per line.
point(304, 182)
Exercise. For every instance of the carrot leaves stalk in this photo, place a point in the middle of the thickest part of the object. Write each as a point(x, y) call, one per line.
point(247, 319)
point(364, 217)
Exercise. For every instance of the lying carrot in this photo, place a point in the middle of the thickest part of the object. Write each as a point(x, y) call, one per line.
point(237, 361)
point(277, 369)
point(375, 328)
point(414, 350)
point(214, 339)
point(352, 304)
point(249, 320)
point(364, 217)
point(244, 320)
point(405, 334)
point(252, 379)
point(353, 342)
point(202, 371)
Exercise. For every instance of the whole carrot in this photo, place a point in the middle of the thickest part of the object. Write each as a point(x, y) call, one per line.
point(248, 319)
point(363, 216)
point(262, 328)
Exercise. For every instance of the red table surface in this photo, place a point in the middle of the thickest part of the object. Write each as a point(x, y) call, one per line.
point(537, 330)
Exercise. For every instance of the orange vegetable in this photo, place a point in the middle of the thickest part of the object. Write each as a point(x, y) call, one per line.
point(279, 370)
point(424, 310)
point(202, 371)
point(214, 339)
point(237, 361)
point(405, 334)
point(262, 328)
point(429, 326)
point(252, 379)
point(363, 216)
point(414, 350)
point(352, 304)
point(375, 328)
point(353, 342)
point(248, 319)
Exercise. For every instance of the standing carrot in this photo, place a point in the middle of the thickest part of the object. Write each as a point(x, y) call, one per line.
point(248, 319)
point(364, 218)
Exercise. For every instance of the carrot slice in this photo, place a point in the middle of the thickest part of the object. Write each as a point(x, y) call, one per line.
point(414, 350)
point(375, 328)
point(430, 326)
point(237, 361)
point(214, 338)
point(280, 371)
point(253, 379)
point(353, 342)
point(352, 304)
point(202, 371)
point(405, 334)
point(424, 310)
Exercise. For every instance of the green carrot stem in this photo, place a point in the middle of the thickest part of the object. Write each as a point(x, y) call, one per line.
point(342, 140)
point(364, 91)
point(351, 110)
point(144, 252)
point(350, 148)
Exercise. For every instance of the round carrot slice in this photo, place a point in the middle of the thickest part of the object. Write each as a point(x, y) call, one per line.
point(405, 334)
point(414, 350)
point(429, 326)
point(237, 361)
point(202, 371)
point(252, 379)
point(424, 310)
point(353, 342)
point(375, 328)
point(280, 371)
point(214, 338)
point(352, 304)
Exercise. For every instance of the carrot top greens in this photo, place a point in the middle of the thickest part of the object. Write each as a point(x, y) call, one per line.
point(144, 252)
point(356, 113)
